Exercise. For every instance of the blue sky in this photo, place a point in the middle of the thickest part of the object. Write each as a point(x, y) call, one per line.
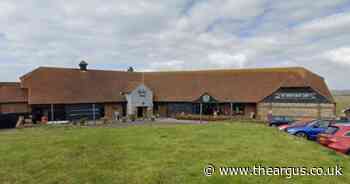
point(176, 35)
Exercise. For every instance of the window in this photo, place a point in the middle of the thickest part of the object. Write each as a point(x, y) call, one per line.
point(142, 93)
point(238, 109)
point(347, 134)
point(323, 124)
point(331, 130)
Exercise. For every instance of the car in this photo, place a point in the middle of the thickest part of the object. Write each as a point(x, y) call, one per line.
point(341, 121)
point(331, 134)
point(342, 145)
point(294, 124)
point(310, 130)
point(338, 138)
point(280, 120)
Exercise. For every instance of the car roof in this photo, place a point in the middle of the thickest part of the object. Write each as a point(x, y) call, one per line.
point(342, 126)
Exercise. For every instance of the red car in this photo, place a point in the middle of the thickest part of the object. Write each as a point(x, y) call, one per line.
point(336, 137)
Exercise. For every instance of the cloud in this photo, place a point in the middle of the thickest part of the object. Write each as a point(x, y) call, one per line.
point(181, 34)
point(167, 65)
point(224, 60)
point(341, 55)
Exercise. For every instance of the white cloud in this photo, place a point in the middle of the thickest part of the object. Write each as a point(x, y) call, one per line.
point(224, 60)
point(158, 35)
point(6, 9)
point(330, 24)
point(341, 55)
point(167, 65)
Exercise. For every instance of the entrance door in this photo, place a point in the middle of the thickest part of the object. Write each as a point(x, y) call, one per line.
point(140, 112)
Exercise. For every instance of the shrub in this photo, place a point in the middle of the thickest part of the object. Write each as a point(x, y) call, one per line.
point(132, 117)
point(212, 118)
point(82, 121)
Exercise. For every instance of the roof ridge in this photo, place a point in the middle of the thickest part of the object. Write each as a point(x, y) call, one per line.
point(9, 83)
point(194, 70)
point(284, 69)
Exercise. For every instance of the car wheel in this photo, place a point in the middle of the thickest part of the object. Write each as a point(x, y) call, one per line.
point(348, 152)
point(301, 134)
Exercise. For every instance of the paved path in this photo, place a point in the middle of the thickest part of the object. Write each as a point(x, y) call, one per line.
point(170, 120)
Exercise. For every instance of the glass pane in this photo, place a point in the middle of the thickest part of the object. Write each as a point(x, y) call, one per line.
point(332, 130)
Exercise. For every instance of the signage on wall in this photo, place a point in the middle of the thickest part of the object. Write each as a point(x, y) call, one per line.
point(206, 98)
point(142, 93)
point(295, 96)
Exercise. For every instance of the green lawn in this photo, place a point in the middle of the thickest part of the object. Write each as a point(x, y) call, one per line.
point(342, 103)
point(157, 154)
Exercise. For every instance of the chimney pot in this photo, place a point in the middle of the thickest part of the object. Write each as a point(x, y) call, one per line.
point(83, 65)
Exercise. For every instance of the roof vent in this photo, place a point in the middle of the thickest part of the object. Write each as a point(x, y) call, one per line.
point(83, 65)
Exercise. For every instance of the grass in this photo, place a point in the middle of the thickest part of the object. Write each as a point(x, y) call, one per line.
point(157, 154)
point(342, 103)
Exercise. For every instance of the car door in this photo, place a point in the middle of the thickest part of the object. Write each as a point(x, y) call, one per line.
point(318, 127)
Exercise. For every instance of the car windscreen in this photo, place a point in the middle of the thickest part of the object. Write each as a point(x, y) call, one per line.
point(277, 118)
point(331, 130)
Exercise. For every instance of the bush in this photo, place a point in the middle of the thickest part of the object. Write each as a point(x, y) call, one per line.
point(124, 119)
point(82, 121)
point(105, 120)
point(132, 117)
point(212, 118)
point(153, 118)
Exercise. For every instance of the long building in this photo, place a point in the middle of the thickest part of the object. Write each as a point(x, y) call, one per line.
point(68, 93)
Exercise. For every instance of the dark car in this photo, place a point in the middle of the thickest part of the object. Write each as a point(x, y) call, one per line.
point(310, 130)
point(280, 120)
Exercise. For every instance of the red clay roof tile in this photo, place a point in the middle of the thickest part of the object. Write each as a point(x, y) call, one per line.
point(59, 85)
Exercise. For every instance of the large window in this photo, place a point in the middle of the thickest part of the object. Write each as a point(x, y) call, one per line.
point(238, 109)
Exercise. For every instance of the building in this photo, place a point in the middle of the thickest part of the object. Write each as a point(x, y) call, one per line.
point(68, 94)
point(347, 112)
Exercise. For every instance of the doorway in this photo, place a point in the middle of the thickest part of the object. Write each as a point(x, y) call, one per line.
point(141, 112)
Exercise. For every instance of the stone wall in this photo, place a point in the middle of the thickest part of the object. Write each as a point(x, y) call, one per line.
point(14, 108)
point(249, 110)
point(110, 108)
point(296, 110)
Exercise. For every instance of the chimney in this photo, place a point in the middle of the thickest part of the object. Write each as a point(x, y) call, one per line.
point(83, 65)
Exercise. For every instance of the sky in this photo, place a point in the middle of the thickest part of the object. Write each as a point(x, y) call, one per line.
point(153, 35)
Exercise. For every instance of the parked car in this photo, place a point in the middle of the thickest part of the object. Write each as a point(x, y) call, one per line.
point(336, 137)
point(310, 130)
point(342, 145)
point(294, 124)
point(332, 133)
point(341, 121)
point(280, 120)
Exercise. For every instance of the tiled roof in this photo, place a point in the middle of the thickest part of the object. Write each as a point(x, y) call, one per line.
point(59, 85)
point(11, 92)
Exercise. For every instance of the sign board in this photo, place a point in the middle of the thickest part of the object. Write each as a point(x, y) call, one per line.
point(296, 95)
point(206, 98)
point(142, 92)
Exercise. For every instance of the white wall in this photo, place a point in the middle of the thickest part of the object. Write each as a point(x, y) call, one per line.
point(134, 99)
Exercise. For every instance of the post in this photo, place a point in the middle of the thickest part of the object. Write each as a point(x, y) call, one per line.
point(93, 113)
point(52, 113)
point(201, 111)
point(231, 107)
point(319, 113)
